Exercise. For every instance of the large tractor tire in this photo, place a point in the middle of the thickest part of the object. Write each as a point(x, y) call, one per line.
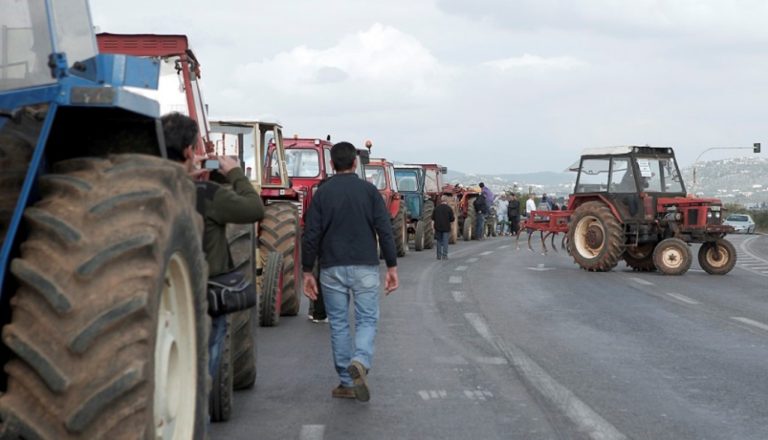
point(221, 389)
point(269, 289)
point(400, 231)
point(242, 245)
point(672, 256)
point(280, 232)
point(718, 261)
point(17, 141)
point(640, 258)
point(469, 222)
point(418, 236)
point(596, 237)
point(429, 225)
point(454, 237)
point(109, 324)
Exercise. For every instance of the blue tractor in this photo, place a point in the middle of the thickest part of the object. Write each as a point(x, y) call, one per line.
point(102, 275)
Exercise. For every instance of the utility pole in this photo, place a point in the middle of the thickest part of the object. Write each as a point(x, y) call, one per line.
point(755, 149)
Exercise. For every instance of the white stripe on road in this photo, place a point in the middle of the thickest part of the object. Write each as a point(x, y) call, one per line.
point(472, 260)
point(312, 432)
point(751, 322)
point(504, 247)
point(682, 298)
point(584, 417)
point(458, 296)
point(454, 279)
point(641, 281)
point(461, 268)
point(485, 253)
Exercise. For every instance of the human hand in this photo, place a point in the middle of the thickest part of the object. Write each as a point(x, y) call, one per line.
point(310, 286)
point(227, 164)
point(391, 283)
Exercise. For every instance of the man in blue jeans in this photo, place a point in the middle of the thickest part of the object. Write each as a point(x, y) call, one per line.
point(344, 219)
point(443, 217)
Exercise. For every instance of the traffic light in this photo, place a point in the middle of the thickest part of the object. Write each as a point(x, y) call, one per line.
point(756, 147)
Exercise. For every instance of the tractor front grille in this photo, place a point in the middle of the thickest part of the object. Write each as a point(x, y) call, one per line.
point(692, 218)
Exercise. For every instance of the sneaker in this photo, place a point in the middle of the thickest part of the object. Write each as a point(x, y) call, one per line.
point(318, 321)
point(342, 392)
point(358, 373)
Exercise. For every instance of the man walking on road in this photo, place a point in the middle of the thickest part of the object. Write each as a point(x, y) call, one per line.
point(344, 219)
point(443, 217)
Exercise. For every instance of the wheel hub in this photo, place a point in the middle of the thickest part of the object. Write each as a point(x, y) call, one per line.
point(673, 258)
point(595, 237)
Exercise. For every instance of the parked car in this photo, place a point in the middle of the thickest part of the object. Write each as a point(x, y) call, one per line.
point(743, 223)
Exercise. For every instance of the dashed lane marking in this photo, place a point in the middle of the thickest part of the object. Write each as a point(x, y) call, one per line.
point(682, 298)
point(540, 268)
point(641, 281)
point(472, 260)
point(585, 418)
point(504, 246)
point(312, 432)
point(461, 268)
point(454, 279)
point(478, 394)
point(433, 394)
point(751, 322)
point(458, 296)
point(485, 253)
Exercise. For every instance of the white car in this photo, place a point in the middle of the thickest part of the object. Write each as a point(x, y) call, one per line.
point(743, 223)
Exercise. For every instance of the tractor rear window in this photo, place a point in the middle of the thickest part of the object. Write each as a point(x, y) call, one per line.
point(25, 44)
point(375, 175)
point(302, 163)
point(407, 180)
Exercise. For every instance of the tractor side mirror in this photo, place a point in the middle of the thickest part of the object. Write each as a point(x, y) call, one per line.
point(364, 155)
point(443, 170)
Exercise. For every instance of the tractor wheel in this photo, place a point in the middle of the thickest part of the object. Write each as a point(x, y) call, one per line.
point(280, 232)
point(243, 249)
point(469, 231)
point(418, 236)
point(109, 324)
point(640, 258)
point(469, 223)
point(454, 237)
point(400, 231)
point(221, 389)
point(596, 237)
point(672, 256)
point(720, 261)
point(269, 293)
point(429, 226)
point(17, 141)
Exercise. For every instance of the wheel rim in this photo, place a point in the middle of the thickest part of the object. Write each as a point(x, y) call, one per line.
point(717, 258)
point(589, 236)
point(175, 356)
point(672, 257)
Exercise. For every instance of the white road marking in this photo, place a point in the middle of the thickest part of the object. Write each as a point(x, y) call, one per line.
point(461, 268)
point(433, 394)
point(504, 247)
point(458, 296)
point(540, 268)
point(485, 253)
point(312, 432)
point(472, 260)
point(454, 279)
point(641, 281)
point(682, 298)
point(751, 322)
point(424, 395)
point(477, 394)
point(584, 417)
point(491, 360)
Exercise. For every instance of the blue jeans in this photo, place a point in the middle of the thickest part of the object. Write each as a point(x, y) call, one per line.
point(218, 332)
point(479, 224)
point(340, 285)
point(441, 241)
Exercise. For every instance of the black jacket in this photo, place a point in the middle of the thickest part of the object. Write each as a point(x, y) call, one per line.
point(344, 219)
point(443, 217)
point(481, 207)
point(513, 209)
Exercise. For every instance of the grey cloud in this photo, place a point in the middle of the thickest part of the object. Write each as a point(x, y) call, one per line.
point(325, 75)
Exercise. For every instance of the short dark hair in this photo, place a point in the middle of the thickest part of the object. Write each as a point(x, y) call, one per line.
point(343, 155)
point(482, 185)
point(180, 133)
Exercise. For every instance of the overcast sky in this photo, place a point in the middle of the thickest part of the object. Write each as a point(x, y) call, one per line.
point(486, 86)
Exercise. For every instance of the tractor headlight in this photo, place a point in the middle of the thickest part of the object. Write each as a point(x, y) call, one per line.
point(678, 216)
point(717, 214)
point(709, 214)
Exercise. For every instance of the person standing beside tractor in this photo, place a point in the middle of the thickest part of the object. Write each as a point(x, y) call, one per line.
point(481, 210)
point(443, 217)
point(221, 205)
point(513, 214)
point(501, 214)
point(344, 219)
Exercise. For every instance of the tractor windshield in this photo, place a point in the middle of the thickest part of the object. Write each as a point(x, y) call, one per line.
point(407, 179)
point(375, 175)
point(659, 175)
point(302, 162)
point(25, 40)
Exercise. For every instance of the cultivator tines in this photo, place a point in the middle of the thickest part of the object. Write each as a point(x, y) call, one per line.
point(548, 224)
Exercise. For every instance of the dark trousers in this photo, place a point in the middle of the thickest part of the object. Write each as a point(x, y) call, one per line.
point(514, 224)
point(441, 243)
point(479, 224)
point(218, 333)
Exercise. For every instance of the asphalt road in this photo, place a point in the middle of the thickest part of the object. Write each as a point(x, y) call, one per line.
point(500, 343)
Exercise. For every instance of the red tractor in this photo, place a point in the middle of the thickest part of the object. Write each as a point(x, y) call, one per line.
point(381, 173)
point(630, 203)
point(466, 209)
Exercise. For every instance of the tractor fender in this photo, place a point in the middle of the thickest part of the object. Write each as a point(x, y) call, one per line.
point(578, 201)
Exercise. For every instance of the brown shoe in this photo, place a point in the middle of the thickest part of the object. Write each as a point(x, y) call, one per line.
point(342, 392)
point(358, 373)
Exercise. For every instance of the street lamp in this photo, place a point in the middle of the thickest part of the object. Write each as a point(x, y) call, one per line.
point(755, 149)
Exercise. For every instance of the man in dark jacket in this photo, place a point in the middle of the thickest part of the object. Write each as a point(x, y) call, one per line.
point(241, 204)
point(443, 217)
point(345, 217)
point(481, 210)
point(513, 214)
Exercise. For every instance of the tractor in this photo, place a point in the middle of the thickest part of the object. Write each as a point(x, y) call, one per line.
point(419, 185)
point(466, 209)
point(381, 173)
point(630, 203)
point(102, 272)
